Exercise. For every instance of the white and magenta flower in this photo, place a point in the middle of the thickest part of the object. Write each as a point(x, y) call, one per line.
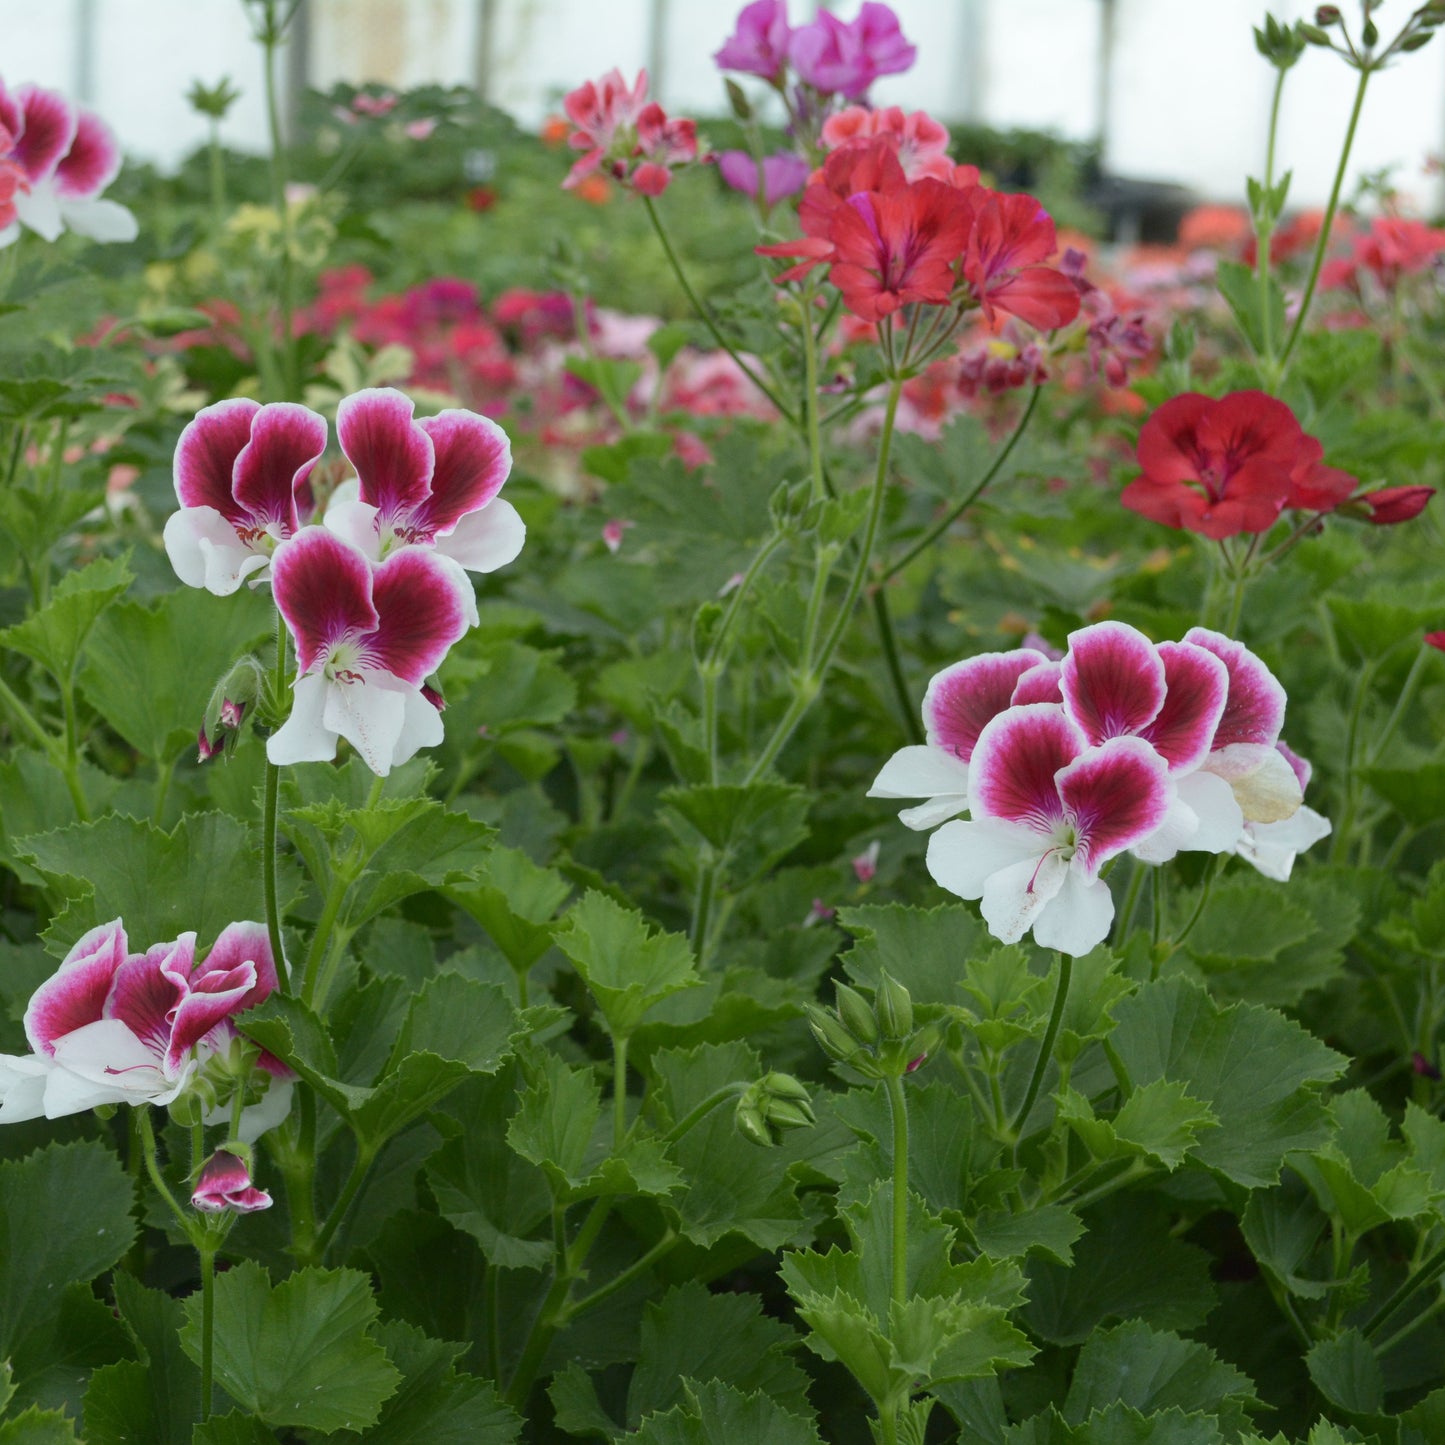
point(241, 476)
point(366, 637)
point(1272, 847)
point(432, 483)
point(115, 1027)
point(67, 157)
point(1048, 811)
point(225, 1184)
point(960, 702)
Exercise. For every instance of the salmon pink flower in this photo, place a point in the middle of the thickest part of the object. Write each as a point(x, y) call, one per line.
point(845, 58)
point(1011, 236)
point(432, 482)
point(366, 639)
point(1048, 811)
point(225, 1184)
point(1216, 467)
point(241, 476)
point(759, 44)
point(616, 126)
point(919, 141)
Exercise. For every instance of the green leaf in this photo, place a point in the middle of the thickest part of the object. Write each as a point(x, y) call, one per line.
point(627, 967)
point(1372, 625)
point(921, 948)
point(1240, 288)
point(1123, 1425)
point(7, 1384)
point(1282, 1226)
point(1417, 794)
point(718, 1414)
point(1256, 1071)
point(1050, 1229)
point(757, 824)
point(301, 1353)
point(1158, 1121)
point(150, 671)
point(514, 900)
point(63, 1347)
point(202, 875)
point(39, 1427)
point(232, 1429)
point(1347, 1373)
point(66, 1218)
point(119, 1407)
point(575, 1406)
point(165, 1389)
point(55, 635)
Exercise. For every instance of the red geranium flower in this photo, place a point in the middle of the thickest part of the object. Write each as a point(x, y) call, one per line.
point(1012, 234)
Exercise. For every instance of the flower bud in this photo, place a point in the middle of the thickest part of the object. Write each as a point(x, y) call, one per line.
point(225, 1184)
point(1388, 505)
point(738, 100)
point(832, 1037)
point(767, 1109)
point(1327, 15)
point(751, 1125)
point(894, 1007)
point(857, 1017)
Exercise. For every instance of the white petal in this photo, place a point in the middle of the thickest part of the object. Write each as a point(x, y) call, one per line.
point(22, 1087)
point(485, 539)
point(1271, 847)
point(206, 551)
point(304, 736)
point(1221, 820)
point(931, 814)
point(1261, 778)
point(1014, 897)
point(1076, 919)
point(100, 220)
point(921, 772)
point(354, 521)
point(421, 727)
point(963, 856)
point(370, 715)
point(10, 234)
point(105, 1063)
point(1178, 830)
point(40, 210)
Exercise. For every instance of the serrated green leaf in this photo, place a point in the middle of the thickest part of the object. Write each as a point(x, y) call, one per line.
point(755, 824)
point(7, 1384)
point(39, 1427)
point(1050, 1229)
point(55, 636)
point(1282, 1227)
point(718, 1414)
point(1347, 1373)
point(119, 1408)
point(233, 1429)
point(575, 1406)
point(63, 1346)
point(1162, 1120)
point(514, 900)
point(172, 1384)
point(299, 1353)
point(921, 948)
point(627, 967)
point(1240, 288)
point(1123, 1425)
point(1373, 625)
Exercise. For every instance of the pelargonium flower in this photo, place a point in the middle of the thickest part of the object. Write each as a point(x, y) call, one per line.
point(1216, 467)
point(225, 1184)
point(844, 58)
point(366, 638)
point(67, 157)
point(241, 473)
point(114, 1027)
point(1386, 506)
point(759, 43)
point(959, 703)
point(1272, 847)
point(919, 141)
point(784, 174)
point(432, 482)
point(615, 126)
point(1048, 811)
point(1010, 237)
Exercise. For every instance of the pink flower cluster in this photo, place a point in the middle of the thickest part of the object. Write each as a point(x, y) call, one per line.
point(116, 1027)
point(374, 594)
point(55, 160)
point(1063, 764)
point(625, 134)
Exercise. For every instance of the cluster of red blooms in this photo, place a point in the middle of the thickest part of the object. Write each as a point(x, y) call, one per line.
point(1224, 466)
point(890, 242)
point(1393, 247)
point(625, 135)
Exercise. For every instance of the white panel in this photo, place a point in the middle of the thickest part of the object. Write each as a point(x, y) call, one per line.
point(396, 42)
point(1042, 65)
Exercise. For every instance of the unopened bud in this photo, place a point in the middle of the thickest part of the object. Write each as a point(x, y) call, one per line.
point(751, 1125)
point(1415, 41)
point(894, 1007)
point(1314, 34)
point(434, 696)
point(1327, 15)
point(1370, 35)
point(832, 1037)
point(857, 1017)
point(738, 100)
point(225, 1183)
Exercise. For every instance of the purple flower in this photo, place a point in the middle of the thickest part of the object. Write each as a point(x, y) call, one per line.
point(225, 1183)
point(759, 45)
point(784, 174)
point(838, 58)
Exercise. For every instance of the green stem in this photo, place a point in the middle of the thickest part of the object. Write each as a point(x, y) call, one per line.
point(153, 1168)
point(1046, 1047)
point(1407, 695)
point(705, 315)
point(354, 1181)
point(694, 1117)
point(810, 396)
point(1156, 914)
point(208, 1329)
point(544, 1326)
point(1327, 224)
point(270, 43)
point(71, 766)
point(888, 641)
point(619, 1091)
point(27, 719)
point(571, 1309)
point(888, 1421)
point(297, 1159)
point(1265, 228)
point(321, 939)
point(1210, 874)
point(269, 807)
point(1428, 1313)
point(941, 526)
point(702, 905)
point(1131, 901)
point(218, 180)
point(898, 1110)
point(1347, 814)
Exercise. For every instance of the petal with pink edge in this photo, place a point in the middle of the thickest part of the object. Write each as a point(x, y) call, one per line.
point(148, 989)
point(215, 995)
point(304, 737)
point(964, 698)
point(483, 541)
point(1076, 919)
point(240, 943)
point(270, 471)
point(1273, 847)
point(1012, 773)
point(392, 455)
point(75, 994)
point(1112, 681)
point(370, 715)
point(424, 603)
point(1116, 795)
point(1040, 684)
point(50, 126)
point(1261, 779)
point(323, 588)
point(1254, 707)
point(91, 163)
point(1196, 687)
point(963, 856)
point(100, 220)
point(473, 459)
point(206, 551)
point(206, 457)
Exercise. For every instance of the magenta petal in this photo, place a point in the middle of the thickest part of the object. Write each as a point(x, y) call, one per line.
point(91, 163)
point(1196, 687)
point(213, 997)
point(1303, 768)
point(1116, 795)
point(1011, 775)
point(1113, 680)
point(323, 588)
point(964, 698)
point(392, 455)
point(206, 457)
point(286, 441)
point(422, 602)
point(473, 459)
point(149, 988)
point(75, 994)
point(50, 122)
point(1039, 684)
point(244, 943)
point(1254, 708)
point(225, 1183)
